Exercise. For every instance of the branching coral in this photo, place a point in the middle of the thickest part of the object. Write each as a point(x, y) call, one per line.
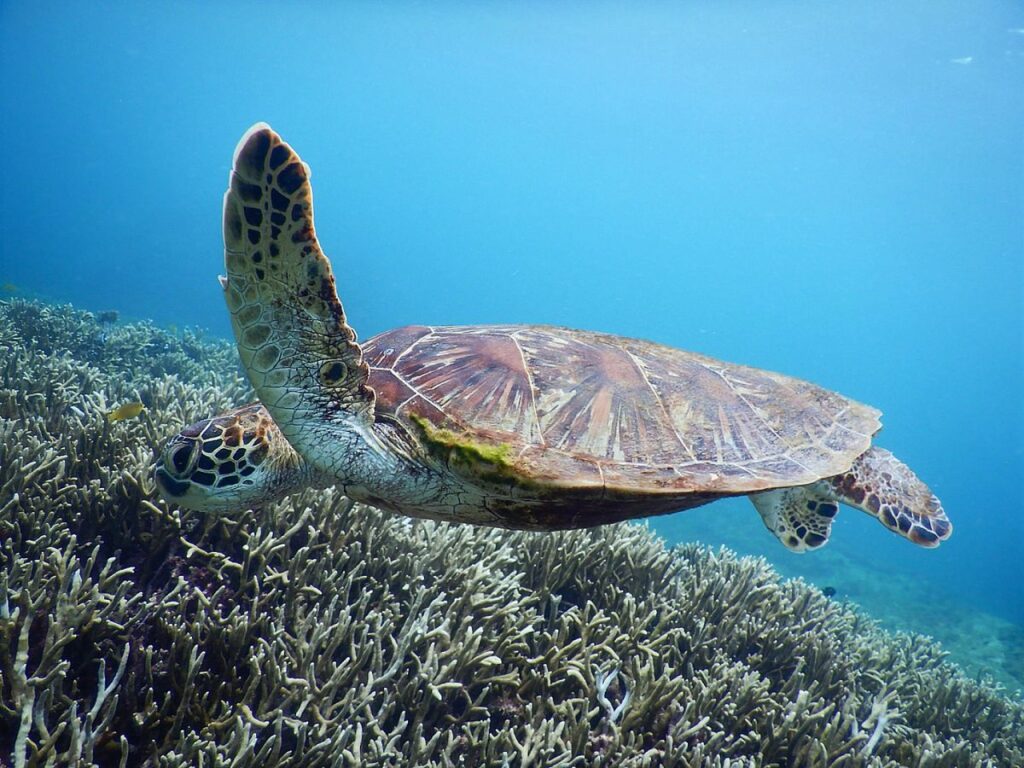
point(135, 351)
point(320, 633)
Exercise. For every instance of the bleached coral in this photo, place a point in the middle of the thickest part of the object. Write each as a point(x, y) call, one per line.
point(320, 633)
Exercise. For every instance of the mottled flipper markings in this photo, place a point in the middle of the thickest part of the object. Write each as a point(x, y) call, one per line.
point(297, 348)
point(800, 517)
point(883, 486)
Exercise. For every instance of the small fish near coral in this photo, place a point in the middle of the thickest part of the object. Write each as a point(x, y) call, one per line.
point(126, 411)
point(515, 426)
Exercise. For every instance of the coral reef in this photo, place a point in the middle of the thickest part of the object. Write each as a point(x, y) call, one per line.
point(136, 351)
point(979, 642)
point(320, 633)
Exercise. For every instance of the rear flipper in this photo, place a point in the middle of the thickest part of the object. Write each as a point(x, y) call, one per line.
point(883, 486)
point(878, 483)
point(801, 516)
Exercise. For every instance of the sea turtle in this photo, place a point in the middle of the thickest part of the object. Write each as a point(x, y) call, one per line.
point(517, 426)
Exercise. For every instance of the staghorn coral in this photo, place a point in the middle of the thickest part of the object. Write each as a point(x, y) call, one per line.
point(135, 351)
point(319, 633)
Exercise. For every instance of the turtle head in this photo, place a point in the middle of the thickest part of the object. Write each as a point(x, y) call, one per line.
point(236, 460)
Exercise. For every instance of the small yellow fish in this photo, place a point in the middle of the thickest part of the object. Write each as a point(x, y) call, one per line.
point(126, 411)
point(9, 288)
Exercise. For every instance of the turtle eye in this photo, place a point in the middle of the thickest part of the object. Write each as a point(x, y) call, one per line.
point(181, 457)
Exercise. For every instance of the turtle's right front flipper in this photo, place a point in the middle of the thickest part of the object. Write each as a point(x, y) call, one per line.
point(297, 348)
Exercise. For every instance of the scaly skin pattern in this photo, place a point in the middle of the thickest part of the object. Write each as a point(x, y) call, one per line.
point(883, 486)
point(801, 517)
point(515, 426)
point(234, 460)
point(878, 483)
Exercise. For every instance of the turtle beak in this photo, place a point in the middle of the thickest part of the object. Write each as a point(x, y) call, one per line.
point(169, 487)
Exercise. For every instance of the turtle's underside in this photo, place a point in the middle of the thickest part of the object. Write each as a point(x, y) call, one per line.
point(518, 426)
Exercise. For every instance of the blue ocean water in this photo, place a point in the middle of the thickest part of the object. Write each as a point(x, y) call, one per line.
point(834, 191)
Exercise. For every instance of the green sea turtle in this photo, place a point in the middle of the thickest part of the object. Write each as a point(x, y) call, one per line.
point(516, 426)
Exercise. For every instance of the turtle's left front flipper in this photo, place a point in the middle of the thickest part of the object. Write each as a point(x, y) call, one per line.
point(883, 486)
point(297, 348)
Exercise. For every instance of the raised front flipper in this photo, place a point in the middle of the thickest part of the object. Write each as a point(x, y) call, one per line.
point(883, 486)
point(297, 348)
